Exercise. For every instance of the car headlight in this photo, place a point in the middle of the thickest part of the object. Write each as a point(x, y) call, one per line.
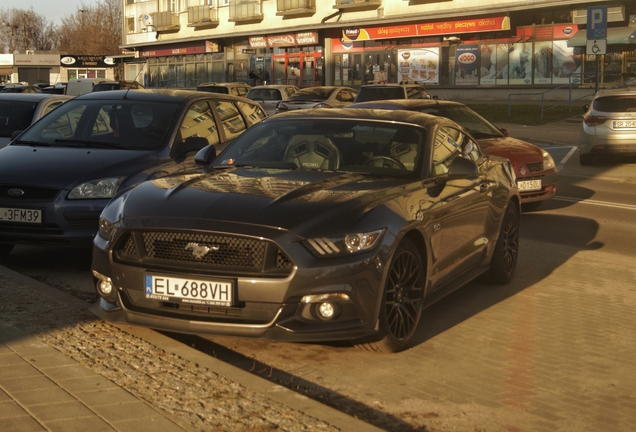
point(106, 228)
point(95, 189)
point(344, 245)
point(548, 162)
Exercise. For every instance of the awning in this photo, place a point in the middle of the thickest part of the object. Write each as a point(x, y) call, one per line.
point(6, 71)
point(615, 36)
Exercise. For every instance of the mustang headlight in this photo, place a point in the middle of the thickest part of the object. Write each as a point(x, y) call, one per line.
point(106, 228)
point(94, 189)
point(344, 245)
point(548, 162)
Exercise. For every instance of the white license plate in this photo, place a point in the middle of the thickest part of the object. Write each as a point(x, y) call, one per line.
point(529, 185)
point(624, 124)
point(20, 215)
point(192, 291)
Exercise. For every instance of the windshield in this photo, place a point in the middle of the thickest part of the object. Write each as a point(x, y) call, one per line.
point(103, 123)
point(311, 93)
point(15, 116)
point(475, 124)
point(374, 147)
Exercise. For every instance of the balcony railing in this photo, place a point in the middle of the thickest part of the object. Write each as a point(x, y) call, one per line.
point(357, 4)
point(203, 16)
point(245, 10)
point(295, 7)
point(165, 21)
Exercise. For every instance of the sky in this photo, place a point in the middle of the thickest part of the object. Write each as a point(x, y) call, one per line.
point(54, 11)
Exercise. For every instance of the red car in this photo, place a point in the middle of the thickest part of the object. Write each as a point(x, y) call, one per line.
point(537, 175)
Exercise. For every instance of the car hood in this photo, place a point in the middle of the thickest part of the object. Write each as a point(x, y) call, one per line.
point(293, 200)
point(62, 167)
point(517, 151)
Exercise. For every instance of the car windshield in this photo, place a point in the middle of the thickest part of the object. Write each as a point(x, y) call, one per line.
point(264, 94)
point(15, 116)
point(379, 93)
point(214, 89)
point(372, 147)
point(475, 124)
point(102, 123)
point(615, 104)
point(312, 93)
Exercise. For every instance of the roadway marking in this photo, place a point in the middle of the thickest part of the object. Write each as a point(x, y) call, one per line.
point(597, 203)
point(567, 156)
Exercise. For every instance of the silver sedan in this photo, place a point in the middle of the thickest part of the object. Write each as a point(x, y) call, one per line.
point(319, 97)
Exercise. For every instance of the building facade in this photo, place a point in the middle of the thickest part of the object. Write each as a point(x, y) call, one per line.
point(453, 45)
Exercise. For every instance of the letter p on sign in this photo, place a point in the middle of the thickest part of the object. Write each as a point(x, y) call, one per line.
point(597, 22)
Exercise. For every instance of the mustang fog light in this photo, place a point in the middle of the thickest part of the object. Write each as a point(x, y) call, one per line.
point(326, 310)
point(104, 284)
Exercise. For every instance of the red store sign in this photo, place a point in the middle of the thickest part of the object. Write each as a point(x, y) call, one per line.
point(427, 29)
point(174, 51)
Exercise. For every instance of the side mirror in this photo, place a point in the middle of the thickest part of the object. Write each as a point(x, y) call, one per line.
point(505, 132)
point(15, 134)
point(206, 155)
point(461, 167)
point(193, 143)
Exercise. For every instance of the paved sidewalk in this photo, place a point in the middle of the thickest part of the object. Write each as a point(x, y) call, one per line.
point(43, 388)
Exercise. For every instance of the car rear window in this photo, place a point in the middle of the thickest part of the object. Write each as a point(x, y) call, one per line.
point(379, 93)
point(624, 103)
point(15, 116)
point(214, 89)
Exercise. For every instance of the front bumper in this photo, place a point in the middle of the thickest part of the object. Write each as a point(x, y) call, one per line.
point(269, 307)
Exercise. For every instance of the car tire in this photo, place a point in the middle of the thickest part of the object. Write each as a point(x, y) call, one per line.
point(6, 248)
point(505, 255)
point(531, 206)
point(586, 159)
point(402, 301)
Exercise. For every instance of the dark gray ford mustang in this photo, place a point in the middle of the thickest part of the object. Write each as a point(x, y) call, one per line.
point(316, 225)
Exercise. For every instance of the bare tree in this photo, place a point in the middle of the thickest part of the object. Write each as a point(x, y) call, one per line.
point(93, 29)
point(26, 30)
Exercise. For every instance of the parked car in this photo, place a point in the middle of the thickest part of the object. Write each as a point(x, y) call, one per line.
point(609, 125)
point(19, 110)
point(80, 86)
point(314, 225)
point(269, 96)
point(373, 92)
point(58, 175)
point(318, 97)
point(58, 88)
point(536, 172)
point(231, 88)
point(20, 88)
point(116, 85)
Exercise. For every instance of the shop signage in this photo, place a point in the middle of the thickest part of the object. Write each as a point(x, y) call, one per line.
point(36, 59)
point(87, 61)
point(200, 49)
point(286, 40)
point(427, 29)
point(211, 47)
point(6, 59)
point(248, 51)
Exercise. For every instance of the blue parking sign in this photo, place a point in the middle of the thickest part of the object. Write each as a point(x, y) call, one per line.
point(597, 22)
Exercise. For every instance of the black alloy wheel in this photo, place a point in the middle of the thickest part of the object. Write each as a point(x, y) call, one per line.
point(505, 256)
point(403, 299)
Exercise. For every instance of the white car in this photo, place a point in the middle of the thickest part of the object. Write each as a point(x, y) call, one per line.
point(609, 125)
point(269, 96)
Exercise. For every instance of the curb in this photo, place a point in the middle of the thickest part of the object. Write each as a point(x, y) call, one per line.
point(252, 382)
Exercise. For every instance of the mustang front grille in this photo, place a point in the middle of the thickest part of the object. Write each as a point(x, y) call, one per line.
point(215, 252)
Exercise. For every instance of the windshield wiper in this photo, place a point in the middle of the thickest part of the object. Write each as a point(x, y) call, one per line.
point(32, 143)
point(85, 143)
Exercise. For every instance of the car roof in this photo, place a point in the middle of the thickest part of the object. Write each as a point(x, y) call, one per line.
point(623, 91)
point(28, 97)
point(222, 84)
point(408, 104)
point(158, 95)
point(270, 86)
point(411, 117)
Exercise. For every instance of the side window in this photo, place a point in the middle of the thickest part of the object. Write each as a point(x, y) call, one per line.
point(242, 91)
point(252, 112)
point(447, 147)
point(199, 122)
point(344, 96)
point(413, 93)
point(52, 106)
point(470, 149)
point(233, 91)
point(64, 126)
point(231, 119)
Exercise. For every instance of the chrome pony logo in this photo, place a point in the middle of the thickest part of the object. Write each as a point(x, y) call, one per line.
point(199, 251)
